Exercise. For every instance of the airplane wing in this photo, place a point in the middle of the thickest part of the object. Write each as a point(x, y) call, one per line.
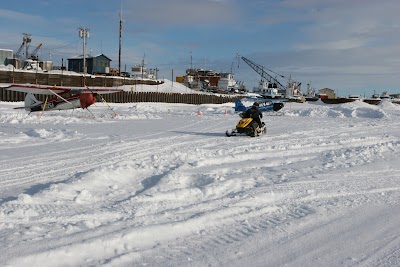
point(36, 89)
point(264, 100)
point(97, 90)
point(50, 90)
point(255, 99)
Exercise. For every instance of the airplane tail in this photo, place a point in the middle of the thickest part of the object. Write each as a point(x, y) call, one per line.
point(31, 103)
point(239, 106)
point(278, 106)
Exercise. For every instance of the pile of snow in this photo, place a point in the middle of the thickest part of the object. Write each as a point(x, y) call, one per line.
point(166, 87)
point(356, 109)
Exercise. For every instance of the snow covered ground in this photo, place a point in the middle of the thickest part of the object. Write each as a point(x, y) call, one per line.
point(157, 185)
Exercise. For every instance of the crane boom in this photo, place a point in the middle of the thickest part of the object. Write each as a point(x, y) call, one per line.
point(262, 71)
point(34, 52)
point(18, 54)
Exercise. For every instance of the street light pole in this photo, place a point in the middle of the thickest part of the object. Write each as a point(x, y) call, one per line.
point(84, 34)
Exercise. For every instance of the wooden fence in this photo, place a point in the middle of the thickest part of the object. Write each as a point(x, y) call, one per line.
point(60, 79)
point(131, 97)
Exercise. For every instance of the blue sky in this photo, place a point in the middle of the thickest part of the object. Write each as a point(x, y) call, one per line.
point(352, 46)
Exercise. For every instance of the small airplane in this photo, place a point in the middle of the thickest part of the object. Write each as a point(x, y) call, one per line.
point(265, 106)
point(62, 97)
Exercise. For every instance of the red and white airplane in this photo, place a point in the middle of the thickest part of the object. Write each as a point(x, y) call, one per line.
point(62, 97)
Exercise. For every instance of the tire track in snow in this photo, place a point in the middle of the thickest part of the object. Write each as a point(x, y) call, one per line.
point(247, 226)
point(343, 192)
point(35, 171)
point(119, 150)
point(294, 208)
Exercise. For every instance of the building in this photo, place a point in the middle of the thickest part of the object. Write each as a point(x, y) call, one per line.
point(328, 93)
point(5, 55)
point(46, 65)
point(99, 64)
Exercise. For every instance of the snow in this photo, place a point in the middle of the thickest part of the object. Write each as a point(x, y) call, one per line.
point(155, 184)
point(166, 87)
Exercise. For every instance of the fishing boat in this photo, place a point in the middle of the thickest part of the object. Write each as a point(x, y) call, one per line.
point(374, 100)
point(267, 90)
point(228, 83)
point(293, 92)
point(385, 95)
point(310, 94)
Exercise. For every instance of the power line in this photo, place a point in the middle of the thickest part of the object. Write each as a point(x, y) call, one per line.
point(65, 45)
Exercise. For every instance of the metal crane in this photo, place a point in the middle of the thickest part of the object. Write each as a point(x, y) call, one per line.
point(25, 42)
point(264, 74)
point(18, 54)
point(27, 39)
point(34, 55)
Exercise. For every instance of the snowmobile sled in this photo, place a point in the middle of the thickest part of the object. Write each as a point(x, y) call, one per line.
point(249, 127)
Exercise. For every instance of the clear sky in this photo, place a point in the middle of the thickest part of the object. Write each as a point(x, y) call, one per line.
point(352, 46)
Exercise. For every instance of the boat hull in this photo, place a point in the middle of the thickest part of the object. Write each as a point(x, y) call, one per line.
point(373, 101)
point(337, 100)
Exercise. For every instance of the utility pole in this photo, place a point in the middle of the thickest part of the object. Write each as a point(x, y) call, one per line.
point(84, 34)
point(120, 41)
point(142, 68)
point(191, 61)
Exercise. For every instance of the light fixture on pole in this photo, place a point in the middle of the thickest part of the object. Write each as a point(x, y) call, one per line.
point(84, 34)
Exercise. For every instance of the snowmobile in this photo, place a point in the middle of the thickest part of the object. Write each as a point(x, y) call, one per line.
point(249, 127)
